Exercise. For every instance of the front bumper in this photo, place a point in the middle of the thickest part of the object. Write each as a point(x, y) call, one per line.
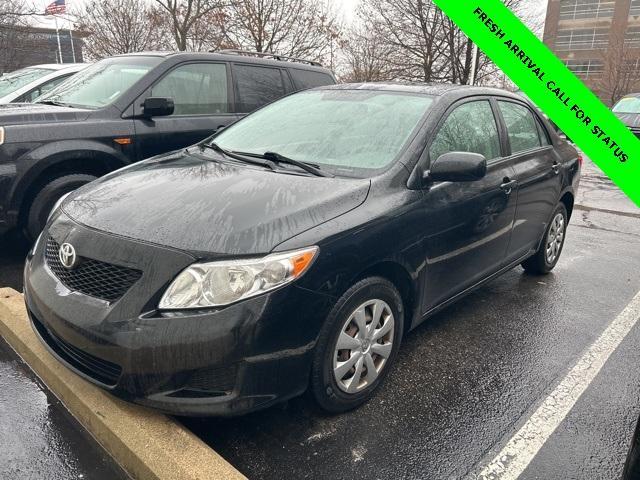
point(224, 361)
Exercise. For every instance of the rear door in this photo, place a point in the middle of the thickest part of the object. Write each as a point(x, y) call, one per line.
point(467, 225)
point(203, 98)
point(537, 172)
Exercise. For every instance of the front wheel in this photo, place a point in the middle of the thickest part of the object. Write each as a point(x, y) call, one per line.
point(357, 345)
point(47, 197)
point(548, 253)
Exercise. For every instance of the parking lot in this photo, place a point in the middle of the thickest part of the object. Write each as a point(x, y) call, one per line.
point(469, 378)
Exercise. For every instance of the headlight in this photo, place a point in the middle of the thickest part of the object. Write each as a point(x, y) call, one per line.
point(215, 284)
point(56, 205)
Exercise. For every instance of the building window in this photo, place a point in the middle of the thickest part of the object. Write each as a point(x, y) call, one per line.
point(631, 66)
point(585, 68)
point(575, 9)
point(582, 39)
point(635, 8)
point(632, 37)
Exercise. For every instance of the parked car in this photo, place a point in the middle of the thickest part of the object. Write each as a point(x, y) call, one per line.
point(298, 246)
point(631, 469)
point(127, 108)
point(26, 84)
point(627, 109)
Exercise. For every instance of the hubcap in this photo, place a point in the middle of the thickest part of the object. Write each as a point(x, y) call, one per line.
point(364, 346)
point(555, 238)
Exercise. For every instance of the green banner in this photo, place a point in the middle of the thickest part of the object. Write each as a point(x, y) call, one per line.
point(552, 87)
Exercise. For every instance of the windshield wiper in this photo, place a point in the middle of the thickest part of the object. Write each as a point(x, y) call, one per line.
point(276, 157)
point(263, 163)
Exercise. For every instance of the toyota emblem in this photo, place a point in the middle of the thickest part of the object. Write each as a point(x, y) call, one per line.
point(67, 255)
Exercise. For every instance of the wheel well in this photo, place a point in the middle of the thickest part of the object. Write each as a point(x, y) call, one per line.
point(401, 279)
point(567, 199)
point(96, 167)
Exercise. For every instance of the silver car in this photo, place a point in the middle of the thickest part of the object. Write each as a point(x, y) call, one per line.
point(26, 84)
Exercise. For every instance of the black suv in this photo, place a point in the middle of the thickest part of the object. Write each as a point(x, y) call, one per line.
point(127, 108)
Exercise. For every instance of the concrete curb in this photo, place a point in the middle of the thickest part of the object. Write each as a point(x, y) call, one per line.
point(148, 445)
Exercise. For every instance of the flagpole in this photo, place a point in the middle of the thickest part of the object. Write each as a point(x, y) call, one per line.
point(58, 36)
point(73, 49)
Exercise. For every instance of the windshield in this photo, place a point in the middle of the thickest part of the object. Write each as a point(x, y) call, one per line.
point(11, 82)
point(349, 132)
point(102, 83)
point(627, 105)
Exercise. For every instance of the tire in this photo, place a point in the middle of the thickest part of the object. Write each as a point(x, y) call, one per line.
point(369, 294)
point(541, 262)
point(46, 198)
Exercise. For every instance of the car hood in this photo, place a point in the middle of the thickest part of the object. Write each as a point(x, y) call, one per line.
point(629, 119)
point(187, 201)
point(29, 113)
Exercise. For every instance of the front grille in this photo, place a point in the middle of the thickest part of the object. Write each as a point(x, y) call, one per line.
point(100, 370)
point(91, 277)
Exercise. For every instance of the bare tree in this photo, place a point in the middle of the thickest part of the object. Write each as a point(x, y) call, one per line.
point(621, 70)
point(120, 26)
point(426, 45)
point(194, 24)
point(366, 57)
point(301, 28)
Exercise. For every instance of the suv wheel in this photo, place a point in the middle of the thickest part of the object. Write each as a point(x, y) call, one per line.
point(47, 197)
point(548, 253)
point(357, 345)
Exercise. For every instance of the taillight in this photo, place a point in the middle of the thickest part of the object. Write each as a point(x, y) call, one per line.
point(580, 159)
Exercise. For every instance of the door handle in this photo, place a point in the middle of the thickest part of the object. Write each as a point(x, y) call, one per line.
point(508, 185)
point(555, 167)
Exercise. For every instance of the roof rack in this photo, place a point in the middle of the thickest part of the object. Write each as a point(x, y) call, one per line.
point(275, 56)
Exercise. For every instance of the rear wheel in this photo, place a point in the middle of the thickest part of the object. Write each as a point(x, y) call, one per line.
point(357, 345)
point(46, 198)
point(550, 249)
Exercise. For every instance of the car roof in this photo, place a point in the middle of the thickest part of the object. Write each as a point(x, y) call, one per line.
point(435, 89)
point(240, 58)
point(59, 66)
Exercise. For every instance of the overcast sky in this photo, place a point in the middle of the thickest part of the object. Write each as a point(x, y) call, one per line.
point(347, 8)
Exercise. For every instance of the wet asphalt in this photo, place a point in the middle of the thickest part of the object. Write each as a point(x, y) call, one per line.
point(464, 381)
point(39, 439)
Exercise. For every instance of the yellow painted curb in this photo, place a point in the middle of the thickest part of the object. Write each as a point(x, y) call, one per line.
point(147, 444)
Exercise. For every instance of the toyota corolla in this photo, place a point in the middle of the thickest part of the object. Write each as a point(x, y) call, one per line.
point(294, 249)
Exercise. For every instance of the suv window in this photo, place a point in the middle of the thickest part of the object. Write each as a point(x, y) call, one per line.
point(521, 126)
point(307, 79)
point(257, 86)
point(471, 127)
point(196, 89)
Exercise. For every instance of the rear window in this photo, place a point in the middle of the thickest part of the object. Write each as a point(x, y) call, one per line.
point(308, 79)
point(257, 86)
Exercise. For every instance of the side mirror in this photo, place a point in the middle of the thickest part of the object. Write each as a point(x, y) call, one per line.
point(457, 167)
point(157, 107)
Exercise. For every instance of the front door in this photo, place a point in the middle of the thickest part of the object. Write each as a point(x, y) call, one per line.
point(467, 224)
point(201, 94)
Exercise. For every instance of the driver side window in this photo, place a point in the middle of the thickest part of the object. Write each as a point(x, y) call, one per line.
point(196, 89)
point(471, 127)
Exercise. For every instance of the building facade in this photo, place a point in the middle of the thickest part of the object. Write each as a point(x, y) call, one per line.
point(22, 46)
point(599, 40)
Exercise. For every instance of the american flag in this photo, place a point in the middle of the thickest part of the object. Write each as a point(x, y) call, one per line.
point(57, 6)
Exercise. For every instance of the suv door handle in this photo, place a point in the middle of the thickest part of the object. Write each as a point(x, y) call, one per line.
point(555, 167)
point(508, 185)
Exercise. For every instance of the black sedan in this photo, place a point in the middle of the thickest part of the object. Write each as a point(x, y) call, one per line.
point(297, 247)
